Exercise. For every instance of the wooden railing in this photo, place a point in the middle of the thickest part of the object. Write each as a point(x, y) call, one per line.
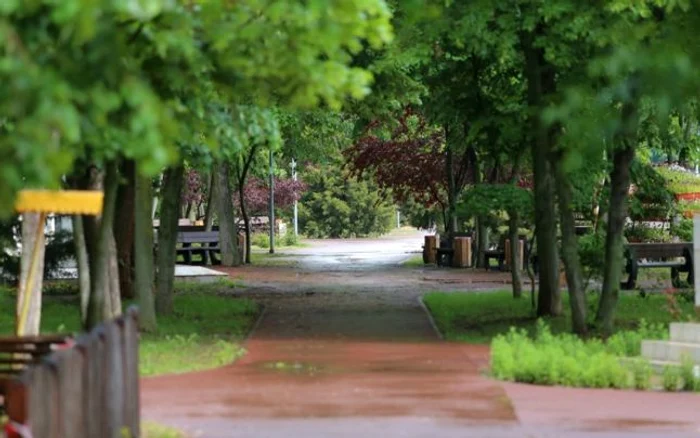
point(90, 389)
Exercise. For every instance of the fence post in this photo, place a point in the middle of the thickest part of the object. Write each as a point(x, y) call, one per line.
point(114, 380)
point(73, 411)
point(43, 398)
point(131, 372)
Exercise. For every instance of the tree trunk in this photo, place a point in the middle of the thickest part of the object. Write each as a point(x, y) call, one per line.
point(246, 221)
point(81, 256)
point(569, 252)
point(31, 266)
point(482, 244)
point(124, 230)
point(211, 199)
point(143, 253)
point(513, 219)
point(228, 236)
point(99, 235)
point(113, 293)
point(173, 180)
point(541, 83)
point(617, 213)
point(451, 227)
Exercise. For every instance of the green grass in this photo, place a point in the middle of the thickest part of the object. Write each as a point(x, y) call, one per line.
point(276, 260)
point(415, 261)
point(154, 430)
point(203, 332)
point(480, 316)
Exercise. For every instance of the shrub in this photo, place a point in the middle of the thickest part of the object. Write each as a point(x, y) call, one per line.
point(691, 381)
point(591, 249)
point(261, 240)
point(671, 378)
point(683, 230)
point(339, 205)
point(290, 239)
point(562, 359)
point(642, 372)
point(629, 342)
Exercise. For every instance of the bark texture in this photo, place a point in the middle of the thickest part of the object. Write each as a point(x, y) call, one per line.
point(143, 253)
point(173, 179)
point(31, 265)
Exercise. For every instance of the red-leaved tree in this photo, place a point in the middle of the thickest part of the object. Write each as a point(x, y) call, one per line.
point(257, 194)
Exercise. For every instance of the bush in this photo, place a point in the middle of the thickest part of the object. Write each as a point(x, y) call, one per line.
point(683, 230)
point(642, 373)
point(261, 240)
point(290, 239)
point(591, 249)
point(338, 205)
point(691, 381)
point(671, 378)
point(549, 359)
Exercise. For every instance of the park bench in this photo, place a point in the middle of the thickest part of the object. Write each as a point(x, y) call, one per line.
point(17, 353)
point(677, 256)
point(192, 243)
point(498, 254)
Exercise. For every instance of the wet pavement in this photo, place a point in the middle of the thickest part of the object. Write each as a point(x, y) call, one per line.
point(345, 349)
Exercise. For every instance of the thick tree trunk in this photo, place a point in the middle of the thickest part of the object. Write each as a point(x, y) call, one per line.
point(124, 230)
point(99, 233)
point(228, 236)
point(81, 256)
point(569, 252)
point(541, 83)
point(31, 267)
point(173, 180)
point(143, 253)
point(513, 219)
point(617, 213)
point(482, 241)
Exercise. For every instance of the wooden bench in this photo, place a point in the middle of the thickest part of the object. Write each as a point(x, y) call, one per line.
point(497, 254)
point(17, 353)
point(658, 255)
point(205, 241)
point(445, 252)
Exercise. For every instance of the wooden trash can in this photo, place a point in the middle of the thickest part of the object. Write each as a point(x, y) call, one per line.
point(430, 250)
point(463, 252)
point(521, 248)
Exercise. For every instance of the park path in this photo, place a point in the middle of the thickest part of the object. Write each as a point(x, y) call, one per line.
point(347, 352)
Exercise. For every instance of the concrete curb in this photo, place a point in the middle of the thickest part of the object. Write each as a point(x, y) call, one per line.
point(430, 318)
point(253, 329)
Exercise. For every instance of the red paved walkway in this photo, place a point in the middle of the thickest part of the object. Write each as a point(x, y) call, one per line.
point(353, 355)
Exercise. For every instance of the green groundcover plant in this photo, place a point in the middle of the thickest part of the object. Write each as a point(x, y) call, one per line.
point(567, 360)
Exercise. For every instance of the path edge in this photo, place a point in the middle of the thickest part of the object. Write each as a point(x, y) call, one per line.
point(433, 324)
point(254, 328)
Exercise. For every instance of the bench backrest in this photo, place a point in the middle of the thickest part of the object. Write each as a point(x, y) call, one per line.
point(198, 237)
point(16, 353)
point(658, 250)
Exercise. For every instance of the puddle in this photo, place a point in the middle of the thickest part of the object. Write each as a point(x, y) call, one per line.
point(295, 368)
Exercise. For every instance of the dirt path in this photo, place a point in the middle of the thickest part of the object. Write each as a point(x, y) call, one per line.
point(350, 352)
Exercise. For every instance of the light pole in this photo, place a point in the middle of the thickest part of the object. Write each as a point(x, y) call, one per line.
point(294, 177)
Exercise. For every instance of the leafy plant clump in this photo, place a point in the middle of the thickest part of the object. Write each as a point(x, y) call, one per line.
point(563, 359)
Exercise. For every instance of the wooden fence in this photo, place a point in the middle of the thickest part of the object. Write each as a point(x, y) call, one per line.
point(88, 390)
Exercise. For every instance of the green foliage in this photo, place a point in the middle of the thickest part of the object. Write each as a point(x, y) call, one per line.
point(261, 240)
point(679, 181)
point(153, 430)
point(640, 232)
point(688, 374)
point(290, 239)
point(591, 250)
point(642, 373)
point(337, 205)
point(563, 359)
point(201, 333)
point(671, 378)
point(480, 316)
point(683, 230)
point(487, 199)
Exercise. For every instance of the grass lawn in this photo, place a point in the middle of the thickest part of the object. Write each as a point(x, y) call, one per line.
point(415, 261)
point(264, 258)
point(203, 332)
point(479, 316)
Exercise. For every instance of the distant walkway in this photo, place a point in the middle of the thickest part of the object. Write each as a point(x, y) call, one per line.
point(351, 353)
